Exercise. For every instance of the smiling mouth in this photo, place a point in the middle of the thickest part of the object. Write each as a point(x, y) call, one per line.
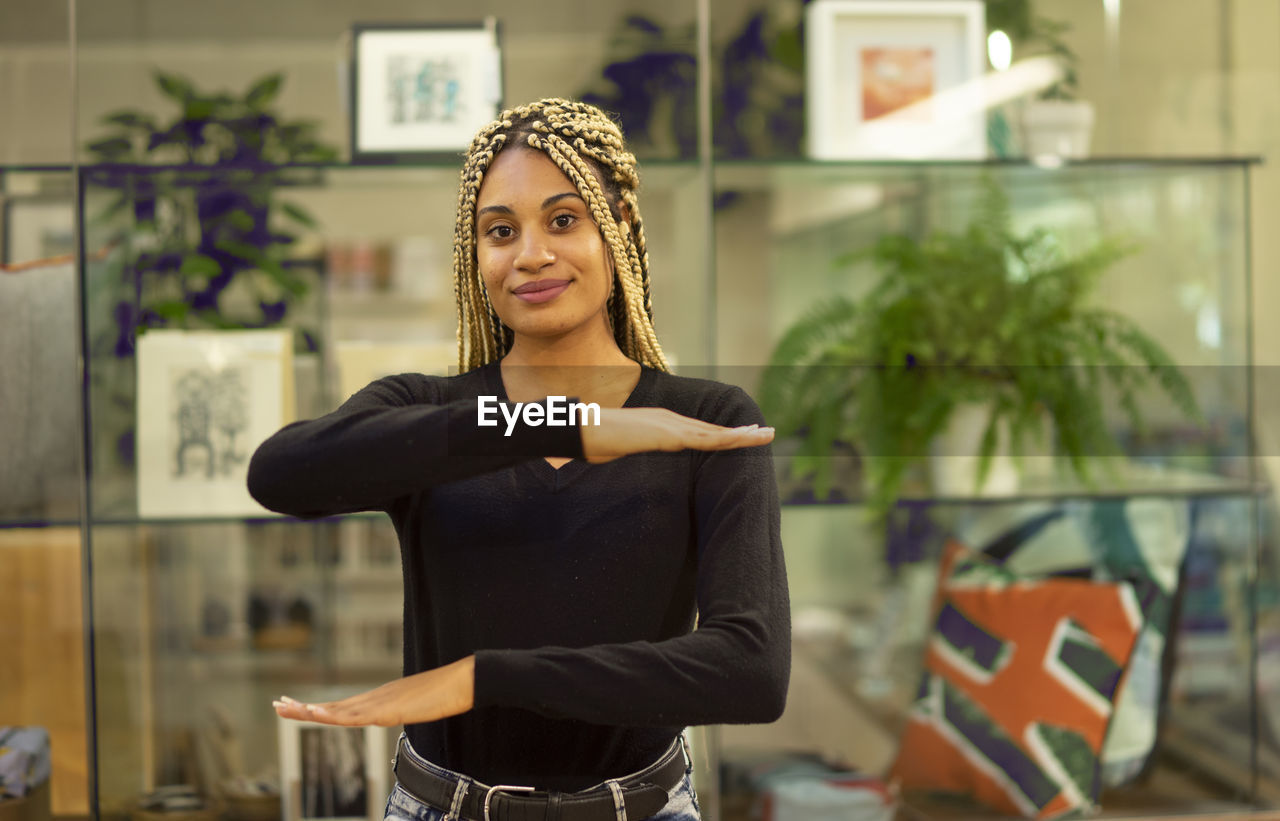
point(542, 290)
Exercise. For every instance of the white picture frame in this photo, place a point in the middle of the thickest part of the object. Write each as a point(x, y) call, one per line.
point(420, 92)
point(206, 400)
point(331, 773)
point(895, 80)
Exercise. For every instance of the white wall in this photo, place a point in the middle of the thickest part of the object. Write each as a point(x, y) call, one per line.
point(1198, 78)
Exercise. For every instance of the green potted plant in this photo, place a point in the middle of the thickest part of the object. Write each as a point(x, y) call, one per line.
point(1056, 121)
point(984, 315)
point(202, 218)
point(200, 237)
point(758, 86)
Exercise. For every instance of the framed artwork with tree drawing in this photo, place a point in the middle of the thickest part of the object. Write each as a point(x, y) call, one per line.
point(206, 400)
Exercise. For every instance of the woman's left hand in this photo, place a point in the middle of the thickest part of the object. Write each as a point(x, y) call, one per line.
point(428, 696)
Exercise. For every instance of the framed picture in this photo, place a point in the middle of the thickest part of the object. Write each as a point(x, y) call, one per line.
point(37, 228)
point(419, 92)
point(895, 79)
point(329, 772)
point(206, 400)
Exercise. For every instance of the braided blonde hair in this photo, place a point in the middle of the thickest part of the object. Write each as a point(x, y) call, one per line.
point(588, 147)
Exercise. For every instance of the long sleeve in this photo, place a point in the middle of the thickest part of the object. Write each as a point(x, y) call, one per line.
point(734, 668)
point(398, 436)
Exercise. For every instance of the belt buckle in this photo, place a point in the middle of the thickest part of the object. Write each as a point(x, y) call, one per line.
point(504, 788)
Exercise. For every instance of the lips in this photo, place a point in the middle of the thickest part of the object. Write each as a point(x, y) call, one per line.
point(541, 285)
point(541, 290)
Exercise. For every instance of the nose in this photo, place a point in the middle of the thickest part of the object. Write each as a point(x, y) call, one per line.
point(534, 252)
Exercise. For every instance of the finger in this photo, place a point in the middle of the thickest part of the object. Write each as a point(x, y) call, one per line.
point(321, 714)
point(756, 436)
point(725, 431)
point(286, 707)
point(699, 424)
point(295, 711)
point(739, 438)
point(720, 434)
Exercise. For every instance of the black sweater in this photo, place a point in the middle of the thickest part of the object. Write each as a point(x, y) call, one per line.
point(577, 589)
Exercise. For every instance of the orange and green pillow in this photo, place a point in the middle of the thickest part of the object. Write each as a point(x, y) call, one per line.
point(1019, 687)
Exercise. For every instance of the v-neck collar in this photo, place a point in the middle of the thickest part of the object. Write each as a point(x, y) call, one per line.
point(558, 478)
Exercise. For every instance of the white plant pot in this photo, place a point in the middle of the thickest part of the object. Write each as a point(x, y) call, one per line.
point(1057, 128)
point(955, 456)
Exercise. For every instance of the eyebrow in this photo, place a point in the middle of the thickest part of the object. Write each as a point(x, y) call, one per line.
point(547, 203)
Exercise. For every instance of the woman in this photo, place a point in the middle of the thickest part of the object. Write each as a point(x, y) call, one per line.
point(554, 574)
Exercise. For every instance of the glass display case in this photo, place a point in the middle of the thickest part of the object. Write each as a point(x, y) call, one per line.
point(198, 621)
point(201, 620)
point(1180, 505)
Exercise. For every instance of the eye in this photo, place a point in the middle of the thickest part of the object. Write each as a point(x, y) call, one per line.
point(500, 231)
point(563, 221)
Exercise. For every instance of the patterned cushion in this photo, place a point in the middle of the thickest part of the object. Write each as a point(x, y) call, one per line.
point(1019, 686)
point(1138, 539)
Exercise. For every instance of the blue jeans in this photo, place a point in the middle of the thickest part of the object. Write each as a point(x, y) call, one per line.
point(682, 801)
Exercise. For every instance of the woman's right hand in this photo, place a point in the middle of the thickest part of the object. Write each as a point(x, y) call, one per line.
point(623, 431)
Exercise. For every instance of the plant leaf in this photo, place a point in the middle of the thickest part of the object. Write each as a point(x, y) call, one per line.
point(264, 91)
point(111, 148)
point(240, 219)
point(295, 286)
point(173, 310)
point(249, 253)
point(298, 214)
point(200, 265)
point(131, 119)
point(198, 110)
point(174, 86)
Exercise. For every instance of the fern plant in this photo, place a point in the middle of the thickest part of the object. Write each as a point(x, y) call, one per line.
point(981, 315)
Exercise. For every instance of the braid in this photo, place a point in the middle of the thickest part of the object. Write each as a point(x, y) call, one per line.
point(588, 147)
point(474, 344)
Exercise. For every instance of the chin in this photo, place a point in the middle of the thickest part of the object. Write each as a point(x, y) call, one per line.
point(550, 324)
point(543, 330)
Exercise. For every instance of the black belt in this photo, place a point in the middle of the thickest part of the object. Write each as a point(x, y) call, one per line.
point(645, 793)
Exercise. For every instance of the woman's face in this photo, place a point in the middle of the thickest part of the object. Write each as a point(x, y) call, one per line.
point(540, 254)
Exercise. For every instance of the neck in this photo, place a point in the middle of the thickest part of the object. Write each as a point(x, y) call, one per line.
point(589, 366)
